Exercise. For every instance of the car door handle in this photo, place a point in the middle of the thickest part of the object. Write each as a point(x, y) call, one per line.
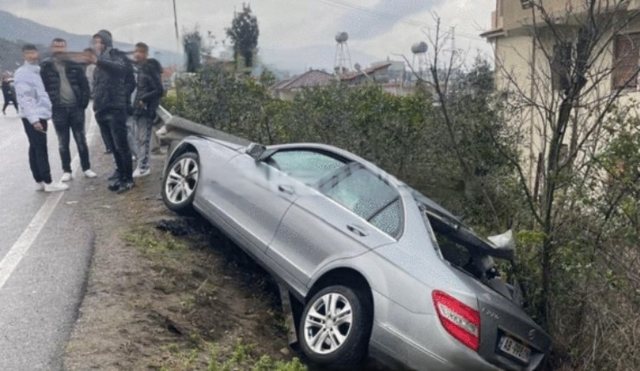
point(357, 230)
point(286, 189)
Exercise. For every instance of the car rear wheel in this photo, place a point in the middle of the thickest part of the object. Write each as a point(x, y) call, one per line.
point(180, 183)
point(335, 327)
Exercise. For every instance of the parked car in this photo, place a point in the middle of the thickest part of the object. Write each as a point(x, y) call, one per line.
point(376, 267)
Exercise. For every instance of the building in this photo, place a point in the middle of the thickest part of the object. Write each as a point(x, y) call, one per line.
point(536, 54)
point(390, 75)
point(287, 89)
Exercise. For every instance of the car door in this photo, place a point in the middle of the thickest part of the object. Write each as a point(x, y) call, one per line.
point(347, 214)
point(254, 195)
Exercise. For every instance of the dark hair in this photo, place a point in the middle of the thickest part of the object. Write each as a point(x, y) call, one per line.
point(29, 47)
point(88, 50)
point(58, 40)
point(142, 46)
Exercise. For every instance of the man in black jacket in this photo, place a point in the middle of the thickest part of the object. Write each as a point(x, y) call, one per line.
point(145, 101)
point(68, 88)
point(113, 85)
point(8, 93)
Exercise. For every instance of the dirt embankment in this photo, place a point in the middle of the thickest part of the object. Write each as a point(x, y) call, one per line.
point(167, 293)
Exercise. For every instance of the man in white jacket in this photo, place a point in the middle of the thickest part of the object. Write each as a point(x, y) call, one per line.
point(35, 110)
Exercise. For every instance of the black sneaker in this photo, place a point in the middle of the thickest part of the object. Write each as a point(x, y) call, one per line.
point(114, 176)
point(125, 187)
point(114, 186)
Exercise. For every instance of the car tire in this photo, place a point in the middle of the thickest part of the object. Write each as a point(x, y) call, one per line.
point(180, 183)
point(353, 339)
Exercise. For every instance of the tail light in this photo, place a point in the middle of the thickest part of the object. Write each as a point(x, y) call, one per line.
point(460, 320)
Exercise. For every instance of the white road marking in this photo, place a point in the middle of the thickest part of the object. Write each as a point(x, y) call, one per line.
point(19, 249)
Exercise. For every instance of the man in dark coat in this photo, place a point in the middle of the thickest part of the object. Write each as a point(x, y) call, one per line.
point(8, 93)
point(145, 101)
point(113, 84)
point(68, 89)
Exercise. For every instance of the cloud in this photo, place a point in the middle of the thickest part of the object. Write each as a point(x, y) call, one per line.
point(367, 22)
point(289, 29)
point(38, 3)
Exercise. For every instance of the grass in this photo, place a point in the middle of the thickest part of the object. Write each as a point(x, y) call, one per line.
point(153, 242)
point(195, 352)
point(211, 357)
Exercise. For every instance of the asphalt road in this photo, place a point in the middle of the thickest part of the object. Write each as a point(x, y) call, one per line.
point(45, 252)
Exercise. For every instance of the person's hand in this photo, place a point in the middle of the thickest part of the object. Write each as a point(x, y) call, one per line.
point(84, 57)
point(90, 58)
point(38, 126)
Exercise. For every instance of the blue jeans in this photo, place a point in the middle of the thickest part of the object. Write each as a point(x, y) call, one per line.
point(66, 120)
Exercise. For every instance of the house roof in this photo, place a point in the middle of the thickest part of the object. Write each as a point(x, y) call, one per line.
point(367, 71)
point(308, 79)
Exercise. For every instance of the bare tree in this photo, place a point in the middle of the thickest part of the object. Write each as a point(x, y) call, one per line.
point(576, 182)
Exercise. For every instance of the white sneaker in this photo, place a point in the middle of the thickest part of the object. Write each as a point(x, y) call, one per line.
point(141, 173)
point(40, 187)
point(55, 187)
point(66, 177)
point(90, 174)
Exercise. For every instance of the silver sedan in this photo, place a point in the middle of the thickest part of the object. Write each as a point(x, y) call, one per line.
point(373, 266)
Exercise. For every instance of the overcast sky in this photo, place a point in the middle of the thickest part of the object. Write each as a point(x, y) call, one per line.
point(294, 34)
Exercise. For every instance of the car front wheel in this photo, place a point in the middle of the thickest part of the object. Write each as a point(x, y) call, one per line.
point(335, 327)
point(180, 183)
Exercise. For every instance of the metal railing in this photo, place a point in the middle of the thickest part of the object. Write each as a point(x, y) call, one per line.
point(175, 128)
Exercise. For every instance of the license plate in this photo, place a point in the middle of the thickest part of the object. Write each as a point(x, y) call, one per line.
point(515, 349)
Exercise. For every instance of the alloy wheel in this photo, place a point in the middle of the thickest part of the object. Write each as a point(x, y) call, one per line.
point(182, 180)
point(328, 323)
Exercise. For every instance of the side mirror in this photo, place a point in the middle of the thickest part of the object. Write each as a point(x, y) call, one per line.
point(504, 241)
point(256, 151)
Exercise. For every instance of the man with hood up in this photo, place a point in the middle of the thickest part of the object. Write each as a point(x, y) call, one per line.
point(113, 84)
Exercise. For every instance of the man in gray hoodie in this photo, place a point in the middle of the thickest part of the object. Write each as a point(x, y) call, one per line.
point(35, 110)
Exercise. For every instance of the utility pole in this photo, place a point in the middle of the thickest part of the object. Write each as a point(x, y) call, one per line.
point(175, 22)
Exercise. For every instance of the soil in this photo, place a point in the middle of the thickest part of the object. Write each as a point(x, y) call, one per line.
point(170, 293)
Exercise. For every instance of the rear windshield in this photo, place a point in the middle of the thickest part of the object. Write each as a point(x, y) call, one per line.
point(459, 246)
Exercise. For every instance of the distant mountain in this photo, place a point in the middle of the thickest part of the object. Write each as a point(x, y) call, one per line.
point(10, 55)
point(21, 30)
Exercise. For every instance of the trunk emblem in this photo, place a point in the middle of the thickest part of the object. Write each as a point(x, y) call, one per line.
point(490, 313)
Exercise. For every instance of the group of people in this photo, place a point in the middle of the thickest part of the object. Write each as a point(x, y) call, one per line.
point(126, 95)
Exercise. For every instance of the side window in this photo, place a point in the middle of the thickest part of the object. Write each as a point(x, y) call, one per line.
point(368, 196)
point(306, 166)
point(389, 220)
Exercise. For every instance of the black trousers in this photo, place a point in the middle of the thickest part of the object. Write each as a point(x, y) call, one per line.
point(105, 133)
point(67, 120)
point(113, 125)
point(7, 102)
point(38, 155)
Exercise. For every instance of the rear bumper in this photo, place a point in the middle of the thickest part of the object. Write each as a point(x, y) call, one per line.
point(418, 341)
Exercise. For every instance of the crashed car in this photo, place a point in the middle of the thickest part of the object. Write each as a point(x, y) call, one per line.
point(375, 267)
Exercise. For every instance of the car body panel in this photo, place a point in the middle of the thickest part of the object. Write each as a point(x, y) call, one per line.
point(299, 235)
point(303, 251)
